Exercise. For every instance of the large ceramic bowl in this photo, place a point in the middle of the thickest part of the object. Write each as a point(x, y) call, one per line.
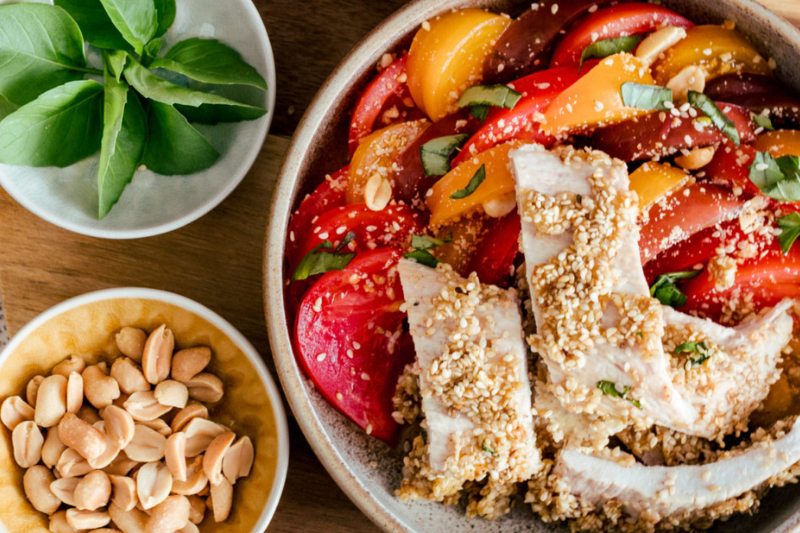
point(320, 147)
point(154, 204)
point(86, 325)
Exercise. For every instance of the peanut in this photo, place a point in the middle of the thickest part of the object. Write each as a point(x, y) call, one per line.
point(87, 519)
point(205, 387)
point(377, 192)
point(691, 78)
point(36, 484)
point(153, 484)
point(128, 521)
point(199, 434)
point(212, 460)
point(658, 42)
point(500, 207)
point(222, 499)
point(146, 446)
point(101, 390)
point(81, 437)
point(72, 464)
point(93, 491)
point(189, 528)
point(157, 356)
point(187, 363)
point(187, 414)
point(15, 411)
point(64, 489)
point(27, 441)
point(130, 342)
point(89, 415)
point(33, 389)
point(144, 406)
point(172, 393)
point(696, 159)
point(119, 425)
point(74, 393)
point(58, 523)
point(121, 465)
point(123, 492)
point(110, 453)
point(196, 480)
point(169, 516)
point(158, 425)
point(238, 460)
point(197, 509)
point(175, 456)
point(52, 448)
point(51, 401)
point(129, 376)
point(71, 364)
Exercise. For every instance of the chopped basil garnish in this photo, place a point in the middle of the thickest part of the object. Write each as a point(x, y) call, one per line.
point(422, 257)
point(319, 262)
point(721, 121)
point(484, 96)
point(610, 389)
point(698, 348)
point(436, 153)
point(790, 230)
point(666, 292)
point(423, 242)
point(778, 178)
point(609, 47)
point(424, 434)
point(645, 96)
point(480, 111)
point(348, 238)
point(488, 449)
point(763, 122)
point(473, 184)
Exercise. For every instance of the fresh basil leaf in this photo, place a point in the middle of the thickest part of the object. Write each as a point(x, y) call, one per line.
point(645, 96)
point(319, 262)
point(609, 47)
point(436, 153)
point(6, 107)
point(174, 146)
point(489, 95)
point(423, 242)
point(124, 140)
point(165, 13)
point(474, 183)
point(348, 238)
point(487, 448)
point(665, 291)
point(211, 107)
point(95, 24)
point(422, 257)
point(778, 179)
point(705, 104)
point(115, 62)
point(763, 122)
point(790, 230)
point(209, 61)
point(41, 47)
point(151, 50)
point(136, 20)
point(480, 112)
point(610, 389)
point(698, 348)
point(61, 127)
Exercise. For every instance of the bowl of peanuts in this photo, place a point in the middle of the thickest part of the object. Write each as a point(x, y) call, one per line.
point(137, 411)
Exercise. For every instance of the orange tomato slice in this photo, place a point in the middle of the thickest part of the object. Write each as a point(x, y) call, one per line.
point(653, 180)
point(779, 143)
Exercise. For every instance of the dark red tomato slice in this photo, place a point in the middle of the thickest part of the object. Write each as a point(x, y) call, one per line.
point(501, 125)
point(496, 251)
point(349, 339)
point(741, 84)
point(683, 214)
point(649, 136)
point(758, 93)
point(731, 166)
point(525, 46)
point(388, 90)
point(611, 22)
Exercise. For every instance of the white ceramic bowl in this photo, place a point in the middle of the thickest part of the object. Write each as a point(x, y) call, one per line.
point(85, 326)
point(154, 204)
point(319, 147)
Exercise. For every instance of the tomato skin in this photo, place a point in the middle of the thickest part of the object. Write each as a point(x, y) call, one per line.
point(611, 22)
point(360, 387)
point(496, 251)
point(758, 93)
point(731, 166)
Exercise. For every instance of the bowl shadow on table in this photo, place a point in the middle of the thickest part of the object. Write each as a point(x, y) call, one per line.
point(88, 331)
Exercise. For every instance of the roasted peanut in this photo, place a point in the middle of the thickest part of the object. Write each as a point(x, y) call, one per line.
point(691, 78)
point(64, 489)
point(72, 464)
point(14, 411)
point(51, 401)
point(212, 460)
point(143, 406)
point(93, 491)
point(197, 509)
point(121, 465)
point(146, 446)
point(89, 415)
point(196, 480)
point(71, 364)
point(658, 42)
point(199, 434)
point(81, 437)
point(58, 523)
point(189, 528)
point(130, 342)
point(74, 393)
point(187, 414)
point(101, 390)
point(157, 356)
point(119, 425)
point(238, 460)
point(52, 448)
point(187, 363)
point(175, 456)
point(87, 519)
point(129, 376)
point(158, 425)
point(123, 492)
point(36, 484)
point(222, 499)
point(696, 158)
point(169, 516)
point(205, 388)
point(32, 390)
point(27, 441)
point(153, 484)
point(500, 206)
point(128, 521)
point(377, 192)
point(110, 453)
point(172, 393)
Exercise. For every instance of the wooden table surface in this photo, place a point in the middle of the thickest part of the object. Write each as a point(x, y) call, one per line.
point(217, 259)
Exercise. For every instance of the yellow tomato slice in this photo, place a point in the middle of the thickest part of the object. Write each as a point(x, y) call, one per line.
point(717, 49)
point(377, 152)
point(595, 99)
point(499, 181)
point(779, 143)
point(653, 180)
point(466, 232)
point(447, 56)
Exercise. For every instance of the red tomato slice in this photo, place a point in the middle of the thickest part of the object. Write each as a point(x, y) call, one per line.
point(683, 214)
point(731, 166)
point(384, 92)
point(611, 22)
point(496, 251)
point(350, 339)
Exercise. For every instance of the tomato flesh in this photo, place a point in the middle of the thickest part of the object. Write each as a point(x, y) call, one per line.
point(356, 312)
point(496, 251)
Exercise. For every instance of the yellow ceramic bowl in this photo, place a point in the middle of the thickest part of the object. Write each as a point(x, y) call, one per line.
point(86, 325)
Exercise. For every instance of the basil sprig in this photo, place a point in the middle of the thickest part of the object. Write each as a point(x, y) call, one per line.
point(436, 153)
point(665, 291)
point(609, 388)
point(421, 244)
point(645, 96)
point(318, 261)
point(608, 47)
point(51, 116)
point(790, 230)
point(705, 104)
point(472, 186)
point(779, 178)
point(698, 348)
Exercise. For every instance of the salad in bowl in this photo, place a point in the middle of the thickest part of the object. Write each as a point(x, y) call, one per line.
point(560, 267)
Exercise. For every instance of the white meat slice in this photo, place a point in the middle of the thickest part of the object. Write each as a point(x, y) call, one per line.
point(641, 488)
point(500, 325)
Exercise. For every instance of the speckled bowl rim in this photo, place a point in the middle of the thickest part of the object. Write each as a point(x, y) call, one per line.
point(365, 55)
point(220, 323)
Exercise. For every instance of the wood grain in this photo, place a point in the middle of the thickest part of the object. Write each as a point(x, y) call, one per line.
point(217, 260)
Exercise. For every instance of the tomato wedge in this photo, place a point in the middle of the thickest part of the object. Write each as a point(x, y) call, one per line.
point(496, 251)
point(759, 93)
point(350, 339)
point(731, 166)
point(611, 22)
